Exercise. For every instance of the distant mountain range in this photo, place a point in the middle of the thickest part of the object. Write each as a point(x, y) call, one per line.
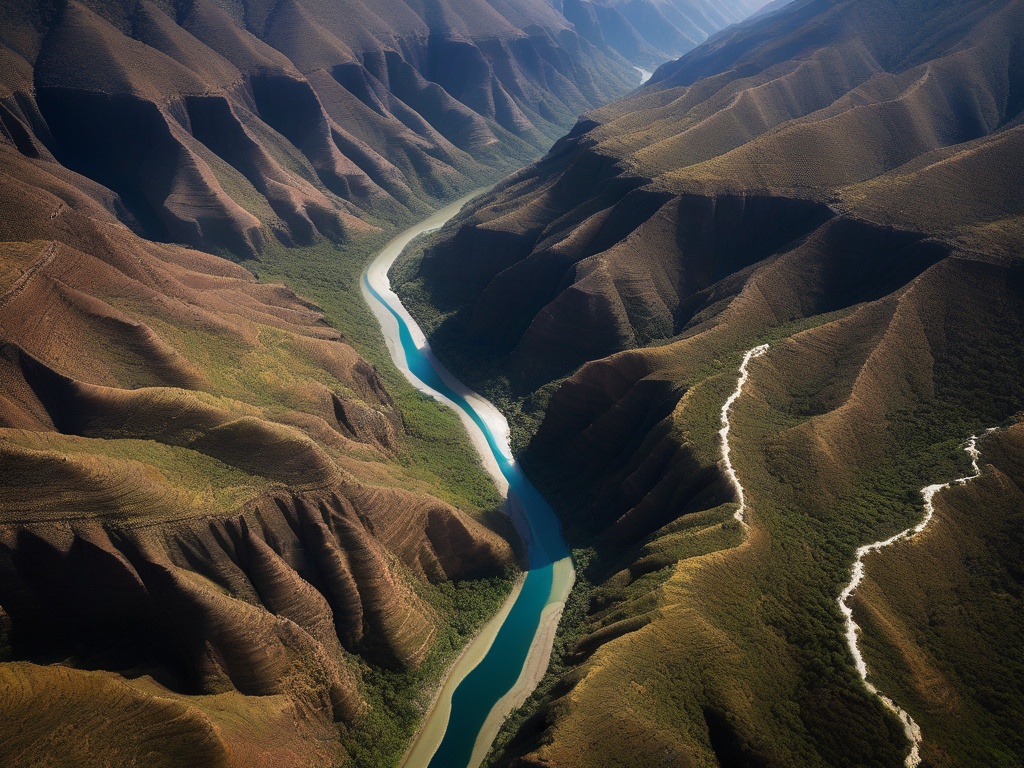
point(841, 180)
point(223, 125)
point(648, 32)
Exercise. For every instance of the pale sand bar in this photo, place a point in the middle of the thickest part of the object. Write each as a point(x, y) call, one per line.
point(435, 721)
point(377, 275)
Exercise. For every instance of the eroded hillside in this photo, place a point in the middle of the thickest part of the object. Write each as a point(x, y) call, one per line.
point(206, 491)
point(229, 126)
point(842, 181)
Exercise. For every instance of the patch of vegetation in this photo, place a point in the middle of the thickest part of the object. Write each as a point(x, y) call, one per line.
point(437, 448)
point(399, 699)
point(784, 604)
point(206, 484)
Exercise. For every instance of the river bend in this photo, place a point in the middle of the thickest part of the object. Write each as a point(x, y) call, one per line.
point(505, 661)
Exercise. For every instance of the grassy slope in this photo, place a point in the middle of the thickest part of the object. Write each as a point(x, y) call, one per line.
point(330, 275)
point(737, 657)
point(438, 452)
point(772, 633)
point(927, 602)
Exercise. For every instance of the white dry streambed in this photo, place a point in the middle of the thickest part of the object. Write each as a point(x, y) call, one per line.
point(723, 433)
point(910, 727)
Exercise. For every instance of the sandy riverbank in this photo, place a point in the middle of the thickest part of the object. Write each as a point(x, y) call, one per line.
point(537, 660)
point(435, 721)
point(377, 276)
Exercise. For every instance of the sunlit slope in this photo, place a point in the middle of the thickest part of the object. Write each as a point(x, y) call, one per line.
point(737, 149)
point(972, 562)
point(841, 425)
point(842, 181)
point(203, 484)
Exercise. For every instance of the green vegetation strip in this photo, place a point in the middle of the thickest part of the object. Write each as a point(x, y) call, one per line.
point(436, 450)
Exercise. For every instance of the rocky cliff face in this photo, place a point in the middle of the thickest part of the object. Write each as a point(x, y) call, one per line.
point(837, 179)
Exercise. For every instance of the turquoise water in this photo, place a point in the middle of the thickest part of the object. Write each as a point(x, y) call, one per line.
point(477, 694)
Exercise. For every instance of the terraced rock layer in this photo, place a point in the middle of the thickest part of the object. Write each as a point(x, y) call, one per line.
point(206, 529)
point(840, 180)
point(228, 127)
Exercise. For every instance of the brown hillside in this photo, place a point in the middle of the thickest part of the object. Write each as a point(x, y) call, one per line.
point(841, 180)
point(202, 488)
point(291, 120)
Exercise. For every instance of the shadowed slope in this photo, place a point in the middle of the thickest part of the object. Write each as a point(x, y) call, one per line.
point(726, 170)
point(300, 119)
point(293, 120)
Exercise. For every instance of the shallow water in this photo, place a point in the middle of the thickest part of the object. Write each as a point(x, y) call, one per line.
point(503, 664)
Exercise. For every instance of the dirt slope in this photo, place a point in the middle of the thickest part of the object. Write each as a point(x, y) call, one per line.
point(203, 492)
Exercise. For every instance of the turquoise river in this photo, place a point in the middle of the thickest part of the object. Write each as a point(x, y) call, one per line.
point(502, 678)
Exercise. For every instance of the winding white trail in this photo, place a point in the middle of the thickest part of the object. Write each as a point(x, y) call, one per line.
point(910, 727)
point(723, 433)
point(645, 74)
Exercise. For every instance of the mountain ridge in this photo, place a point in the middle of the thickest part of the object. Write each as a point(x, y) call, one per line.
point(840, 180)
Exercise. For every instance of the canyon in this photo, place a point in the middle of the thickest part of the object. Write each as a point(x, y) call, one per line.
point(840, 181)
point(230, 533)
point(723, 333)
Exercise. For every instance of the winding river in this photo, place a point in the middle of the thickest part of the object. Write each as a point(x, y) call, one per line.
point(504, 662)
